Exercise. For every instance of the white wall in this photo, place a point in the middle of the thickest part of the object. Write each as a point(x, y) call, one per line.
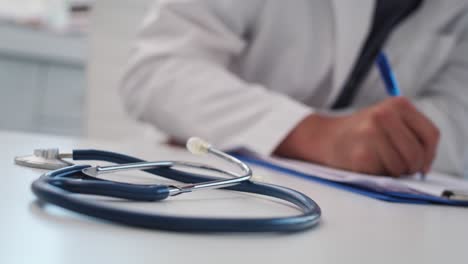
point(113, 26)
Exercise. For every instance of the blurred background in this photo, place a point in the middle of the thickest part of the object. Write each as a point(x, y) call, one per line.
point(60, 64)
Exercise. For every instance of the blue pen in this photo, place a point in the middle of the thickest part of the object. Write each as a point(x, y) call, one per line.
point(391, 84)
point(388, 76)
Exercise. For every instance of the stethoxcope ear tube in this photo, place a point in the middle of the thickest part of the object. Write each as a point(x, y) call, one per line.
point(58, 186)
point(196, 146)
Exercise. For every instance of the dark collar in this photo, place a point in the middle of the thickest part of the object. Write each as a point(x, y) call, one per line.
point(387, 15)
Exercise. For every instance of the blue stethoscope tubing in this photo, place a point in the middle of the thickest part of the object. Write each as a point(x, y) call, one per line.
point(58, 186)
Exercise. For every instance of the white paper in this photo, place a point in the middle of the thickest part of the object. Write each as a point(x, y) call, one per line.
point(434, 184)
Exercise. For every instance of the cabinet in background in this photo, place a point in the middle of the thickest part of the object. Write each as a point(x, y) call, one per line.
point(42, 81)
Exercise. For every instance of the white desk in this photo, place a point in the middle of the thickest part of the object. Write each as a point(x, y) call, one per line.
point(354, 229)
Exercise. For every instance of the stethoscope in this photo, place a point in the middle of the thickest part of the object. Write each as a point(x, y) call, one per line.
point(60, 186)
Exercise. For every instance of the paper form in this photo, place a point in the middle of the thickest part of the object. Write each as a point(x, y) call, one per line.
point(434, 184)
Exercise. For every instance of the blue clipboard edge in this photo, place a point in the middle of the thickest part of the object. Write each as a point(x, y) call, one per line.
point(394, 197)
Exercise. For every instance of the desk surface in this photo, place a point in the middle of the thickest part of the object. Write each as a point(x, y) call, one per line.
point(354, 229)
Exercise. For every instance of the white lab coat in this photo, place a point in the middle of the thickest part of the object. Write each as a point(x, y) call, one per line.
point(244, 73)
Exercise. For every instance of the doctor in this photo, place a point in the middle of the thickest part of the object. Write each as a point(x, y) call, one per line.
point(297, 78)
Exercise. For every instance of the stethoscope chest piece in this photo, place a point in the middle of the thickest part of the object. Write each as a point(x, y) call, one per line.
point(47, 159)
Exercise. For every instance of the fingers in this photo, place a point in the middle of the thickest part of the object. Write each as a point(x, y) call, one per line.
point(391, 160)
point(376, 154)
point(423, 129)
point(403, 140)
point(406, 140)
point(365, 159)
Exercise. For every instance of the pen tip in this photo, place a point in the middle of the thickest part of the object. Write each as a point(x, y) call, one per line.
point(422, 176)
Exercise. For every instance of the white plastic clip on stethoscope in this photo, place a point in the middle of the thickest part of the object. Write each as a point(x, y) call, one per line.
point(65, 179)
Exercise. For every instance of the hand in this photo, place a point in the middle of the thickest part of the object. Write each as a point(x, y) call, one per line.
point(389, 138)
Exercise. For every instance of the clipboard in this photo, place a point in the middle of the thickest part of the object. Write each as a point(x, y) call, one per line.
point(384, 195)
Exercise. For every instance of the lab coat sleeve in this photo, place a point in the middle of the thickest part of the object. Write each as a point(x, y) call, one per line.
point(445, 101)
point(178, 78)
